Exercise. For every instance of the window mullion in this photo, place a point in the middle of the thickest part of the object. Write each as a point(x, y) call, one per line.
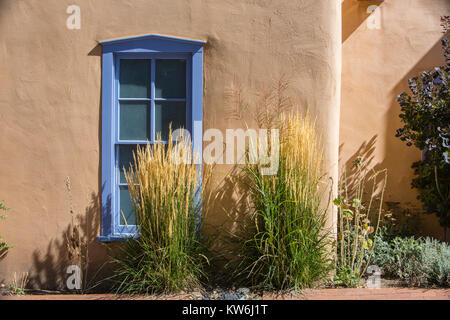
point(152, 102)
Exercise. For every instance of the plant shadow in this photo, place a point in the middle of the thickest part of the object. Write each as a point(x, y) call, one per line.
point(77, 246)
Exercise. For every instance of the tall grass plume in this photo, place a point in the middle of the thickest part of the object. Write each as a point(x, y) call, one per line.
point(286, 245)
point(165, 256)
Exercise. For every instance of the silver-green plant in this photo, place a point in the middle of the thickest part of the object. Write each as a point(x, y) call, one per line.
point(4, 247)
point(356, 214)
point(417, 261)
point(435, 259)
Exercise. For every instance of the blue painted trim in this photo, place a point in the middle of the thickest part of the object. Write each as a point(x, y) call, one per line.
point(152, 103)
point(197, 100)
point(107, 149)
point(142, 47)
point(197, 117)
point(151, 44)
point(153, 36)
point(115, 238)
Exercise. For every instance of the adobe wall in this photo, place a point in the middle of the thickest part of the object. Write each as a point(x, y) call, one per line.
point(380, 52)
point(50, 93)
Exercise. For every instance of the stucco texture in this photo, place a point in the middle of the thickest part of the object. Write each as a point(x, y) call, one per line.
point(380, 53)
point(50, 102)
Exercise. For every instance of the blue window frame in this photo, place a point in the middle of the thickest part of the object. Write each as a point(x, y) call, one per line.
point(147, 82)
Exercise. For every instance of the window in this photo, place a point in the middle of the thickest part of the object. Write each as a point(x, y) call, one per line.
point(148, 82)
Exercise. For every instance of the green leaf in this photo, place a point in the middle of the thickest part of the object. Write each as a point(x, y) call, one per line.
point(347, 213)
point(367, 244)
point(356, 203)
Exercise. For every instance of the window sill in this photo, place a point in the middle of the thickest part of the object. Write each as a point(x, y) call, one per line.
point(115, 238)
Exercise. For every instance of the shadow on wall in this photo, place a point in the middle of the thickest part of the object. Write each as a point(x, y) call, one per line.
point(354, 13)
point(76, 246)
point(365, 151)
point(400, 157)
point(226, 207)
point(96, 51)
point(2, 5)
point(364, 157)
point(407, 221)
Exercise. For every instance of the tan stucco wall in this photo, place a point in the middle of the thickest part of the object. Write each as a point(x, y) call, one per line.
point(50, 90)
point(376, 66)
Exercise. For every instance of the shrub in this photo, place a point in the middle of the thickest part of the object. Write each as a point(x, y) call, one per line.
point(435, 259)
point(286, 246)
point(405, 260)
point(3, 244)
point(426, 118)
point(417, 261)
point(356, 235)
point(166, 255)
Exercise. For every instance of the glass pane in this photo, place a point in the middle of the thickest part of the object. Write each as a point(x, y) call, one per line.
point(170, 79)
point(169, 112)
point(126, 207)
point(125, 160)
point(134, 78)
point(134, 122)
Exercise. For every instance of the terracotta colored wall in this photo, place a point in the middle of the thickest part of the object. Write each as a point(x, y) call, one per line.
point(376, 66)
point(50, 81)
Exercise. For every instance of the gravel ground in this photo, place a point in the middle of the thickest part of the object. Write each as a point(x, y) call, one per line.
point(238, 294)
